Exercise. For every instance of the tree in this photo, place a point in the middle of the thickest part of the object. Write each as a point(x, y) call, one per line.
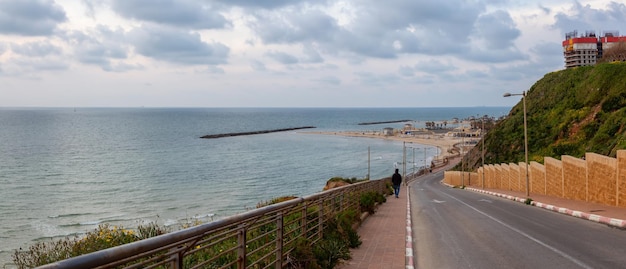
point(616, 53)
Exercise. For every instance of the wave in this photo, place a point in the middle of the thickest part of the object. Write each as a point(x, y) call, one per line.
point(69, 215)
point(57, 236)
point(210, 215)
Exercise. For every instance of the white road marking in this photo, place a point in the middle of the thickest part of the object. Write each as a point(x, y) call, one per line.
point(563, 254)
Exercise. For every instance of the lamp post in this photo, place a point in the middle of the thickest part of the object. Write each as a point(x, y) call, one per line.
point(463, 158)
point(404, 161)
point(413, 169)
point(523, 94)
point(482, 132)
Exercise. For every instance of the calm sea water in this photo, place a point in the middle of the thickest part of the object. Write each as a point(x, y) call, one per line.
point(63, 171)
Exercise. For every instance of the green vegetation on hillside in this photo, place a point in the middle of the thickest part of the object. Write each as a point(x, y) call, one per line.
point(569, 112)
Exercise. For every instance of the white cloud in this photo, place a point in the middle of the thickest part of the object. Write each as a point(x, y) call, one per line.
point(286, 51)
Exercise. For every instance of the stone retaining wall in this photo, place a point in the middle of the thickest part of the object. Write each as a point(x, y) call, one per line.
point(596, 178)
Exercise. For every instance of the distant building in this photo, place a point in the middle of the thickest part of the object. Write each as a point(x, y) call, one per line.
point(587, 49)
point(388, 131)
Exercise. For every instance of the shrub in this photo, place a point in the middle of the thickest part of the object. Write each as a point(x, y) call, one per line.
point(367, 202)
point(302, 256)
point(105, 236)
point(345, 224)
point(328, 252)
point(275, 201)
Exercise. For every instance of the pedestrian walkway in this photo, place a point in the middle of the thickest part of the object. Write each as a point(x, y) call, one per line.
point(384, 236)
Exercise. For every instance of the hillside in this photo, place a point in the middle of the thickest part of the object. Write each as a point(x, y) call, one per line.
point(569, 112)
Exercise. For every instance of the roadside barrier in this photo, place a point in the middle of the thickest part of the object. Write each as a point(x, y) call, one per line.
point(260, 238)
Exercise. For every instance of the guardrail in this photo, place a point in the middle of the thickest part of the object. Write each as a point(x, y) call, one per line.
point(260, 238)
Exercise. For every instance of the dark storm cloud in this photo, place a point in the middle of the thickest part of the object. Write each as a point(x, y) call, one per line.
point(584, 18)
point(187, 13)
point(30, 18)
point(177, 46)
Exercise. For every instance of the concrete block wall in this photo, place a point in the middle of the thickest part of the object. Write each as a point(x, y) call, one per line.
point(506, 177)
point(498, 174)
point(574, 178)
point(602, 179)
point(596, 178)
point(523, 170)
point(621, 178)
point(481, 176)
point(515, 177)
point(554, 177)
point(537, 175)
point(456, 178)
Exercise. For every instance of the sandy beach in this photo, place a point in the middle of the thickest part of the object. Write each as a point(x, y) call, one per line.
point(441, 141)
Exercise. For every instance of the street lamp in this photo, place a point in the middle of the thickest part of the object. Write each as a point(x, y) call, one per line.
point(482, 133)
point(523, 94)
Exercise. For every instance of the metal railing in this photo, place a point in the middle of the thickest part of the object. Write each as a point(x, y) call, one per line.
point(260, 238)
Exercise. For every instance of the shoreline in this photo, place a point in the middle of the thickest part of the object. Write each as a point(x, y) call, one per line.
point(440, 141)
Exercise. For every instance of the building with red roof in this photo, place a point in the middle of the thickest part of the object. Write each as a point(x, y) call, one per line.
point(587, 49)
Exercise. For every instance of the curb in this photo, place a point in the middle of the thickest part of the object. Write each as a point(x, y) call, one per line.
point(409, 232)
point(617, 223)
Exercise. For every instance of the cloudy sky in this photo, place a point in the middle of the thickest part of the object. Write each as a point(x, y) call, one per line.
point(285, 53)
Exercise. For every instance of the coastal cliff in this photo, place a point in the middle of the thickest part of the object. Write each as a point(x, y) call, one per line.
point(569, 112)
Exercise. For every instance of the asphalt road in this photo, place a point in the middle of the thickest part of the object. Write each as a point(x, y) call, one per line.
point(455, 228)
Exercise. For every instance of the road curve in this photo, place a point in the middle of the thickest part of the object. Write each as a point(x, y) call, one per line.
point(455, 228)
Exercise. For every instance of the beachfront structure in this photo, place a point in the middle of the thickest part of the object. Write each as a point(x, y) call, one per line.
point(388, 131)
point(587, 49)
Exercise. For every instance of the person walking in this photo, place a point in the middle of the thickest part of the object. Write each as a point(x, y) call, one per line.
point(396, 180)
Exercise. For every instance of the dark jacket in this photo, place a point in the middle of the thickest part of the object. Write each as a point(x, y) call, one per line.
point(396, 179)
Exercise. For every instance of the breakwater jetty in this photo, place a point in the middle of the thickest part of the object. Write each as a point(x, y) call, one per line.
point(255, 132)
point(382, 122)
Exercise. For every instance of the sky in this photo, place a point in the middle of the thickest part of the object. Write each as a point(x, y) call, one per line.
point(285, 53)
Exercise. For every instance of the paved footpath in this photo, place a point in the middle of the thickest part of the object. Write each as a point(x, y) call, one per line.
point(384, 236)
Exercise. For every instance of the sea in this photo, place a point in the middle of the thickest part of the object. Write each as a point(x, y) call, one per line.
point(64, 171)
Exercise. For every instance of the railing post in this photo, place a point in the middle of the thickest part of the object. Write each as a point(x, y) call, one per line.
point(341, 199)
point(320, 222)
point(279, 240)
point(241, 252)
point(304, 224)
point(177, 262)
